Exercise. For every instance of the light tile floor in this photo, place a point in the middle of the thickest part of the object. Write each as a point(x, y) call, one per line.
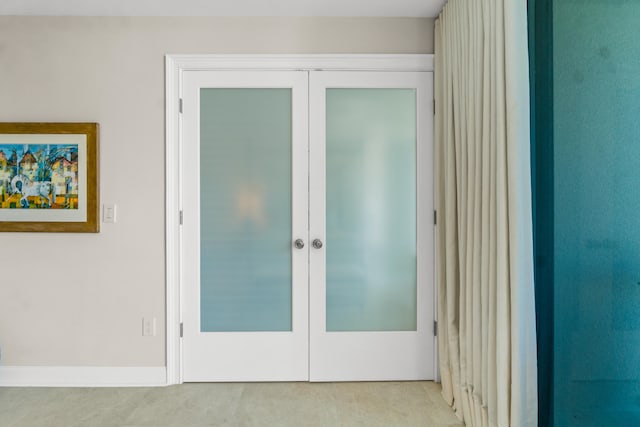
point(230, 404)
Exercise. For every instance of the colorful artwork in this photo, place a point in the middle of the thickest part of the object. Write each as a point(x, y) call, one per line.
point(49, 177)
point(38, 176)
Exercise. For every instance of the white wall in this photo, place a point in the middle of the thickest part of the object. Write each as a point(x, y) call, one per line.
point(79, 299)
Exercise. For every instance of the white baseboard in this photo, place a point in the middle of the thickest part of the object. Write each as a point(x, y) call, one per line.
point(82, 376)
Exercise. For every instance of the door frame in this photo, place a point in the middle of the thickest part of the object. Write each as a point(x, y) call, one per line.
point(175, 66)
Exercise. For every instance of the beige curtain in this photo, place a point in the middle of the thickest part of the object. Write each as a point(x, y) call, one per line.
point(483, 196)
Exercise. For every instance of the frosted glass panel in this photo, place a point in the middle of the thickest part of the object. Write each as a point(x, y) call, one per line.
point(245, 208)
point(371, 209)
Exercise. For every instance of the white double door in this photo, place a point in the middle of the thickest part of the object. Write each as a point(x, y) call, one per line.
point(307, 245)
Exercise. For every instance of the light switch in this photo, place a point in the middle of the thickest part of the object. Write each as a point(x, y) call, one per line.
point(109, 213)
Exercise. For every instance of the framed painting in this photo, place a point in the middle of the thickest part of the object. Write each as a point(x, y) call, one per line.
point(49, 177)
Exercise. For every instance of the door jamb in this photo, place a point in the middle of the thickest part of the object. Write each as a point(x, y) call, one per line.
point(175, 66)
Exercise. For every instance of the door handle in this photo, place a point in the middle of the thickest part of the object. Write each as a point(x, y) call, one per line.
point(317, 243)
point(299, 243)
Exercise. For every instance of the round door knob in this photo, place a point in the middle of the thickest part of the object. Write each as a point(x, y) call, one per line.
point(299, 243)
point(317, 243)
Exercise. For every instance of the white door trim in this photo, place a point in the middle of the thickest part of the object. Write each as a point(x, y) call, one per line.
point(175, 65)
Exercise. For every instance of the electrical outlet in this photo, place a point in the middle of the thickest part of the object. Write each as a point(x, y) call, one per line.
point(148, 327)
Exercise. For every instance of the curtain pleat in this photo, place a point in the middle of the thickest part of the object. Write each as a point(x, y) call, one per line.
point(486, 302)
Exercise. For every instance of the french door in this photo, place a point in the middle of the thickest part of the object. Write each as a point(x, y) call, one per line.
point(307, 244)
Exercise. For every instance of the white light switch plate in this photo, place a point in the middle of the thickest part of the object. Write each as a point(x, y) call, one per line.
point(109, 213)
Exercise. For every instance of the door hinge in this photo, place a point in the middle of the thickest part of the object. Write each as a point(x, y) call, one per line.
point(180, 105)
point(181, 217)
point(435, 217)
point(181, 329)
point(435, 328)
point(434, 107)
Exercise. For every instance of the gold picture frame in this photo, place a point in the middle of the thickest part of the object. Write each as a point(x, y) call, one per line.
point(49, 177)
